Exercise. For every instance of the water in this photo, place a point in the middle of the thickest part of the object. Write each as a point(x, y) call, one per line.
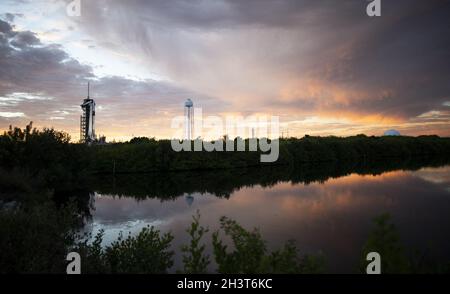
point(327, 210)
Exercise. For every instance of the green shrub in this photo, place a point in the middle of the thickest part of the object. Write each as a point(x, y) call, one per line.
point(250, 254)
point(194, 259)
point(146, 253)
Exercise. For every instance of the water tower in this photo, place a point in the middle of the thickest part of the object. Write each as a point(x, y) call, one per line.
point(87, 120)
point(189, 119)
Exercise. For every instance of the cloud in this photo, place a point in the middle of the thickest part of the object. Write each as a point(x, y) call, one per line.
point(10, 16)
point(5, 28)
point(293, 58)
point(252, 52)
point(24, 39)
point(11, 114)
point(41, 82)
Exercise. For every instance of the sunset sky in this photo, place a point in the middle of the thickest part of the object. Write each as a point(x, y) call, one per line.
point(323, 67)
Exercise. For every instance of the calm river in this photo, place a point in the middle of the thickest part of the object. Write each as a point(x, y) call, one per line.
point(331, 214)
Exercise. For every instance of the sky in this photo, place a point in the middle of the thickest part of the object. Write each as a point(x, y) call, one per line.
point(323, 67)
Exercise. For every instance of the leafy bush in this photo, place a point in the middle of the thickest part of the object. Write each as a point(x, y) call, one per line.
point(395, 258)
point(148, 252)
point(385, 240)
point(194, 259)
point(250, 254)
point(36, 239)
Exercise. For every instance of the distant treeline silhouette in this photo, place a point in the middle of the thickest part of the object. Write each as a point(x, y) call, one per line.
point(143, 155)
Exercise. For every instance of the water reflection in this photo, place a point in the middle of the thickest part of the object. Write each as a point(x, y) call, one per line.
point(328, 212)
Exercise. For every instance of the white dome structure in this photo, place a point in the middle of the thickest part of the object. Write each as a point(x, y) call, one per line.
point(392, 133)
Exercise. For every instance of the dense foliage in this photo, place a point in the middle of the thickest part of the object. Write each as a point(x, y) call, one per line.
point(45, 155)
point(50, 155)
point(250, 255)
point(150, 155)
point(396, 258)
point(36, 239)
point(148, 252)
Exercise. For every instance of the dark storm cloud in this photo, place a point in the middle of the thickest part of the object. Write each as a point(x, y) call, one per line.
point(27, 68)
point(222, 14)
point(395, 65)
point(404, 61)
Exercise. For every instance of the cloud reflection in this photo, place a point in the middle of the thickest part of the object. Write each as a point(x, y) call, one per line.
point(333, 217)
